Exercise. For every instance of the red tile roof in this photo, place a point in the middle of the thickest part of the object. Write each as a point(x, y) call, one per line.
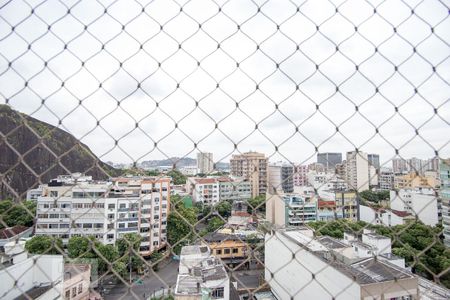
point(205, 180)
point(401, 213)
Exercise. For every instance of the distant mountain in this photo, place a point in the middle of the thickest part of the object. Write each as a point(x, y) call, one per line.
point(33, 152)
point(178, 163)
point(173, 161)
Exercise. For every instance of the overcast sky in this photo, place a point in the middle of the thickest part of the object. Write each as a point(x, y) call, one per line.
point(282, 76)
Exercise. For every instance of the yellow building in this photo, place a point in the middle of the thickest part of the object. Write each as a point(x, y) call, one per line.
point(229, 247)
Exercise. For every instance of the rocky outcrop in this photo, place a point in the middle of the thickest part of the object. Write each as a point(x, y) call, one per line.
point(33, 152)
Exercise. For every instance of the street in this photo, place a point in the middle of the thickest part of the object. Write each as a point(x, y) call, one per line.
point(151, 284)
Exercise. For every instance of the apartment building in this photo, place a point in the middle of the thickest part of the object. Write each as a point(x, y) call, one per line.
point(383, 216)
point(420, 202)
point(357, 171)
point(25, 276)
point(386, 179)
point(300, 175)
point(329, 160)
point(254, 167)
point(281, 177)
point(444, 193)
point(212, 190)
point(205, 162)
point(106, 210)
point(290, 210)
point(413, 180)
point(293, 257)
point(374, 160)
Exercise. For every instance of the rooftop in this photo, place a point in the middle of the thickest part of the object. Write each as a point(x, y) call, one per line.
point(331, 243)
point(71, 270)
point(194, 249)
point(7, 233)
point(35, 292)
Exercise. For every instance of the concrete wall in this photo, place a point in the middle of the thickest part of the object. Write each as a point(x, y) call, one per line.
point(422, 205)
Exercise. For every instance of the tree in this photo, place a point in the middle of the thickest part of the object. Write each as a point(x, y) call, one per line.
point(80, 246)
point(128, 248)
point(177, 177)
point(153, 173)
point(224, 209)
point(44, 244)
point(13, 214)
point(179, 230)
point(106, 254)
point(214, 224)
point(257, 204)
point(155, 258)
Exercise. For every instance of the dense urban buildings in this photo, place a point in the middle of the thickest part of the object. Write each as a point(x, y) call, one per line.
point(205, 162)
point(329, 160)
point(254, 167)
point(365, 267)
point(444, 193)
point(78, 206)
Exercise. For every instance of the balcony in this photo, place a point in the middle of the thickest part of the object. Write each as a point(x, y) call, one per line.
point(127, 229)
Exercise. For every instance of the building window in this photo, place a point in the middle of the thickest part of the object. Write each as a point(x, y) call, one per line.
point(80, 288)
point(87, 225)
point(74, 292)
point(111, 206)
point(122, 205)
point(110, 236)
point(53, 193)
point(218, 293)
point(235, 250)
point(226, 251)
point(110, 216)
point(67, 296)
point(218, 252)
point(53, 226)
point(121, 225)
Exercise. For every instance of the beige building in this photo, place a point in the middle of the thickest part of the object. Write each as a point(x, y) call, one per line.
point(412, 180)
point(77, 279)
point(252, 166)
point(357, 171)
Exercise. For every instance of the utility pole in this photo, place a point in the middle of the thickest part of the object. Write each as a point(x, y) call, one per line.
point(129, 254)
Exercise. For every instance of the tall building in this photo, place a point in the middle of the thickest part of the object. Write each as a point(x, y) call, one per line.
point(301, 175)
point(254, 167)
point(444, 193)
point(106, 210)
point(205, 162)
point(329, 160)
point(357, 171)
point(374, 160)
point(281, 177)
point(399, 165)
point(386, 179)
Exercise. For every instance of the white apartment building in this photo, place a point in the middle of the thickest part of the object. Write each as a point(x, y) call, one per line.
point(298, 266)
point(205, 162)
point(381, 216)
point(106, 210)
point(290, 210)
point(281, 177)
point(386, 179)
point(201, 275)
point(30, 277)
point(420, 202)
point(357, 171)
point(189, 170)
point(212, 190)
